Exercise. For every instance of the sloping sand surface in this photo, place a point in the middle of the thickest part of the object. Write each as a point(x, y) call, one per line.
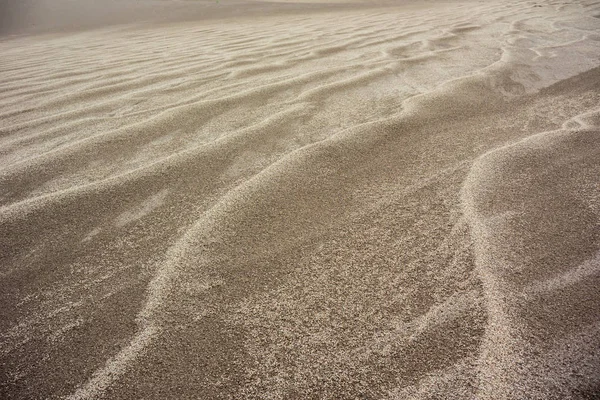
point(324, 201)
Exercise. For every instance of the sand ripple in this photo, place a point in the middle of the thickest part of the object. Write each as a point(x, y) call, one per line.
point(359, 201)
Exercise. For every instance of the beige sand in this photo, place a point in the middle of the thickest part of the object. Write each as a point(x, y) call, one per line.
point(292, 201)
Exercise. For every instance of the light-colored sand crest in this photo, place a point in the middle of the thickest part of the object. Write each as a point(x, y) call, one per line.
point(116, 366)
point(537, 237)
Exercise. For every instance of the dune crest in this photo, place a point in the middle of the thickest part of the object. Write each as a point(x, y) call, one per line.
point(537, 238)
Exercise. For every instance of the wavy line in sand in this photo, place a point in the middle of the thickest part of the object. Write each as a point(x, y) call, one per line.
point(528, 221)
point(160, 286)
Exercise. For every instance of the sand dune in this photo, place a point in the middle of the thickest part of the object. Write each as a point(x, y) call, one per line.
point(326, 201)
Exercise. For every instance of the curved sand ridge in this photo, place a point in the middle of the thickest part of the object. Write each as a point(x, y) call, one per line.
point(274, 209)
point(539, 262)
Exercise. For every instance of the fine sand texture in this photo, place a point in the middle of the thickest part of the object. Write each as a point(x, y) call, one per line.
point(300, 200)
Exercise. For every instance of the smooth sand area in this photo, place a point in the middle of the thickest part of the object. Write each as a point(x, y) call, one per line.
point(266, 200)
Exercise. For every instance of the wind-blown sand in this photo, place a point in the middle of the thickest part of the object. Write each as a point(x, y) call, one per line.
point(332, 201)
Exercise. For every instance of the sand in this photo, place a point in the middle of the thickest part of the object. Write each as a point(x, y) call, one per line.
point(300, 200)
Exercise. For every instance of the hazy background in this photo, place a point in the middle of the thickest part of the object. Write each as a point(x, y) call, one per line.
point(34, 16)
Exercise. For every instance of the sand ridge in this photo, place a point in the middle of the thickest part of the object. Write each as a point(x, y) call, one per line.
point(396, 202)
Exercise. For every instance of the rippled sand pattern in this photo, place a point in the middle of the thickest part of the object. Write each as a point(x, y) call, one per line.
point(378, 202)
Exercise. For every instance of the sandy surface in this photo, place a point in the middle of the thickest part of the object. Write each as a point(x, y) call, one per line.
point(301, 201)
